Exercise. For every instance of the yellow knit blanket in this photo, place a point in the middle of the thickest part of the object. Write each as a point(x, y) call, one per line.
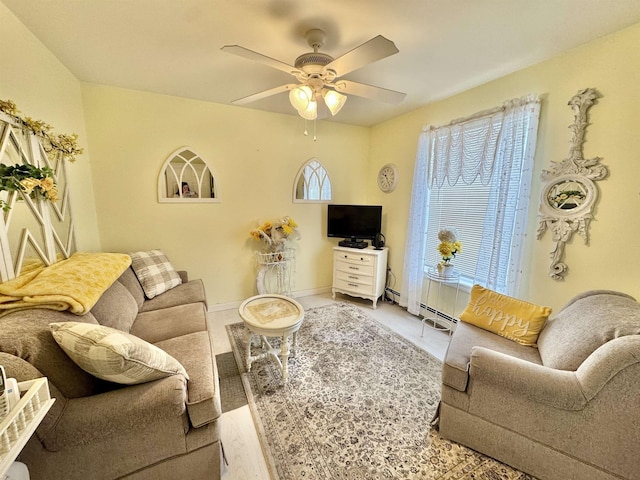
point(74, 284)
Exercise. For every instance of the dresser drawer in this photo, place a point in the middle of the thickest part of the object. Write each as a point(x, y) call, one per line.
point(354, 277)
point(351, 267)
point(362, 259)
point(354, 287)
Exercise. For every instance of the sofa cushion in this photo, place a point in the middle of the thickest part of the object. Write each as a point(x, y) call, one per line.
point(187, 292)
point(588, 321)
point(506, 316)
point(194, 352)
point(159, 325)
point(155, 272)
point(113, 355)
point(129, 280)
point(116, 308)
point(26, 334)
point(455, 371)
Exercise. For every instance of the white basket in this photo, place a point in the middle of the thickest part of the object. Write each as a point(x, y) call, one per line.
point(275, 258)
point(23, 419)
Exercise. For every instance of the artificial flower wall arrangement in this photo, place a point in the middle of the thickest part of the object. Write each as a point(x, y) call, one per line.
point(30, 180)
point(65, 144)
point(449, 246)
point(274, 235)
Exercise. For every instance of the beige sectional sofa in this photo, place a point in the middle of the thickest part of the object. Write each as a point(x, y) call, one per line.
point(568, 409)
point(161, 429)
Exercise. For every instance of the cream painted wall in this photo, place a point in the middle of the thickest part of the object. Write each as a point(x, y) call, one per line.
point(255, 157)
point(44, 89)
point(611, 260)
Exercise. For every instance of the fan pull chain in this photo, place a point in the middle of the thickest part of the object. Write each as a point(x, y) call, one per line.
point(305, 128)
point(314, 131)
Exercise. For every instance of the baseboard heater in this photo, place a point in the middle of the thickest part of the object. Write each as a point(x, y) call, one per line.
point(422, 305)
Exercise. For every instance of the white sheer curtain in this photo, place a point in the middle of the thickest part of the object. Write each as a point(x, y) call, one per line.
point(497, 147)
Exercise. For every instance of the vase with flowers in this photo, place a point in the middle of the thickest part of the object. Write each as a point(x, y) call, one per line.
point(449, 246)
point(275, 258)
point(274, 235)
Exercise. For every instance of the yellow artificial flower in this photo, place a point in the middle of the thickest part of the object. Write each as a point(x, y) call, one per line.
point(28, 184)
point(292, 223)
point(37, 126)
point(287, 229)
point(8, 107)
point(47, 184)
point(445, 249)
point(52, 194)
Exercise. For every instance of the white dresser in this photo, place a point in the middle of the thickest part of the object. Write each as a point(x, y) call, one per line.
point(360, 272)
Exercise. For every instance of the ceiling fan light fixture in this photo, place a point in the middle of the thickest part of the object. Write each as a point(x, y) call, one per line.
point(300, 97)
point(311, 112)
point(334, 101)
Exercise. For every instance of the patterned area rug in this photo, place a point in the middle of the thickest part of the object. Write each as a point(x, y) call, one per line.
point(357, 406)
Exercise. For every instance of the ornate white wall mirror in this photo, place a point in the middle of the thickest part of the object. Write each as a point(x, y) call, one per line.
point(34, 230)
point(570, 192)
point(186, 177)
point(312, 184)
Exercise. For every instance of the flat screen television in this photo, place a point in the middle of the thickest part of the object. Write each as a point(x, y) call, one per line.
point(354, 222)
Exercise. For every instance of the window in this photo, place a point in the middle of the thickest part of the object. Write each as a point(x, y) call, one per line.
point(312, 183)
point(462, 207)
point(473, 175)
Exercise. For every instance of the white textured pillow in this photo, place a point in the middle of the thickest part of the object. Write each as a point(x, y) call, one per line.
point(114, 355)
point(154, 271)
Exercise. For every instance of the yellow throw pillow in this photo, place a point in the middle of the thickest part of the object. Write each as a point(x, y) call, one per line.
point(509, 317)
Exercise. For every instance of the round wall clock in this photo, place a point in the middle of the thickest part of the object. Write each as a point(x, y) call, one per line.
point(388, 177)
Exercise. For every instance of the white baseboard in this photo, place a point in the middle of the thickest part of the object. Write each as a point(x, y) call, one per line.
point(300, 293)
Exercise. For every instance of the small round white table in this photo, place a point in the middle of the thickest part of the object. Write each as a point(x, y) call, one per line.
point(271, 315)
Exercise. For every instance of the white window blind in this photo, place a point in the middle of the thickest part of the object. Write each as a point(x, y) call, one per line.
point(462, 207)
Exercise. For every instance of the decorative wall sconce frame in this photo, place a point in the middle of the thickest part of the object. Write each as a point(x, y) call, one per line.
point(570, 193)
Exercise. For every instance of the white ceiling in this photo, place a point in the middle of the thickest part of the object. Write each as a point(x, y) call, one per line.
point(446, 46)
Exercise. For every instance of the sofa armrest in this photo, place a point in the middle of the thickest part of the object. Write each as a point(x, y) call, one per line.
point(606, 362)
point(89, 419)
point(556, 388)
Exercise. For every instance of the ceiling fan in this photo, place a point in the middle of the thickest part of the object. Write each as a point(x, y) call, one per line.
point(319, 75)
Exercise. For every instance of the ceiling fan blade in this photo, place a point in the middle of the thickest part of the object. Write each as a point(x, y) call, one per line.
point(258, 57)
point(369, 91)
point(371, 51)
point(266, 93)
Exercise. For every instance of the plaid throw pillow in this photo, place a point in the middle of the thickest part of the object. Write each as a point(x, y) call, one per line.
point(113, 355)
point(154, 271)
